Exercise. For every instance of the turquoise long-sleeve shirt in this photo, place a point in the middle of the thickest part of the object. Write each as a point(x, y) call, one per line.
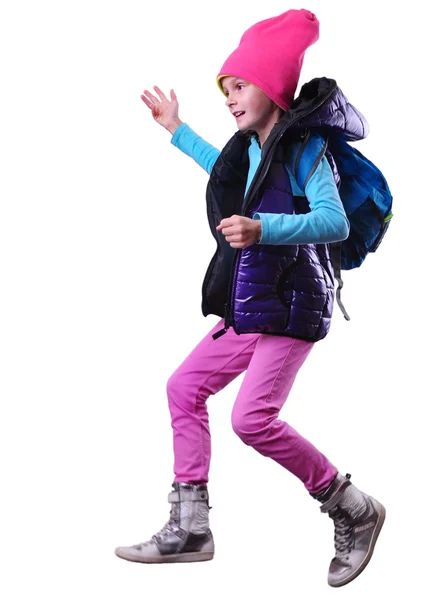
point(327, 221)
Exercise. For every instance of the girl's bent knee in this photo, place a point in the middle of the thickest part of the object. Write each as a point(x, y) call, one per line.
point(182, 390)
point(172, 385)
point(247, 432)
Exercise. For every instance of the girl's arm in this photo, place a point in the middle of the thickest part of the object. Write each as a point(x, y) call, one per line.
point(327, 221)
point(166, 113)
point(194, 146)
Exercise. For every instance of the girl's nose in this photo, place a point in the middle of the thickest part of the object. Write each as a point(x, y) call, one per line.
point(229, 101)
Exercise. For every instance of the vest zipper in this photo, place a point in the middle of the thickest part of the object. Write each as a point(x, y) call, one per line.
point(251, 192)
point(221, 332)
point(256, 183)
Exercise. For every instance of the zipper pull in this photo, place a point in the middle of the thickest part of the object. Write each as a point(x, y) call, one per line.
point(226, 316)
point(221, 332)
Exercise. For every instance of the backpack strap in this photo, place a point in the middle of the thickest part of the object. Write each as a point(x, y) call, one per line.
point(308, 158)
point(311, 152)
point(335, 254)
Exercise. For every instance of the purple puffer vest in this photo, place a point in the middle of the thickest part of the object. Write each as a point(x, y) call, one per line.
point(282, 289)
point(275, 289)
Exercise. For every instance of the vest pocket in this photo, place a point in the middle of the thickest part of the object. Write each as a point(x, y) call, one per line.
point(286, 284)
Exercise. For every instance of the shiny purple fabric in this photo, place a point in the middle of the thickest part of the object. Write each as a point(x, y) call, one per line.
point(282, 289)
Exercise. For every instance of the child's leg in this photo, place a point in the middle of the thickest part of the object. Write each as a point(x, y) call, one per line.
point(208, 369)
point(265, 388)
point(187, 537)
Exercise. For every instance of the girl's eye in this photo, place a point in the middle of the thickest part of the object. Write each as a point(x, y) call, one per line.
point(240, 85)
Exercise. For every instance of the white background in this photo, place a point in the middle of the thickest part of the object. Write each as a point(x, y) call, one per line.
point(104, 245)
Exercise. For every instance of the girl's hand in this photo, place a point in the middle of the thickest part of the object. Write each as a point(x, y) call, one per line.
point(240, 231)
point(164, 111)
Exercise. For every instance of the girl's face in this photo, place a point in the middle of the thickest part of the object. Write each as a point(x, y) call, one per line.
point(251, 108)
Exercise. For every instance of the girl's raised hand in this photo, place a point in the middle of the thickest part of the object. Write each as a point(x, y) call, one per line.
point(164, 111)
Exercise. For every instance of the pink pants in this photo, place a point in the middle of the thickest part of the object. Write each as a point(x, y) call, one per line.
point(271, 364)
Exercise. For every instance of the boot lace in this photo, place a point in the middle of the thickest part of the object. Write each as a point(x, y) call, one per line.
point(343, 531)
point(171, 526)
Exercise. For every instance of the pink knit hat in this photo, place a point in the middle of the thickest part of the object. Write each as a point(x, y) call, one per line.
point(270, 54)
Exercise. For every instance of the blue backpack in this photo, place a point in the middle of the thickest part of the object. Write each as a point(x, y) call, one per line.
point(364, 193)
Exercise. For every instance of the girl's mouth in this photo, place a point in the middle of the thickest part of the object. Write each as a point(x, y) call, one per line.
point(239, 113)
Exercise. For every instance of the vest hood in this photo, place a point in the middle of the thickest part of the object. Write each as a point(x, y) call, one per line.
point(322, 106)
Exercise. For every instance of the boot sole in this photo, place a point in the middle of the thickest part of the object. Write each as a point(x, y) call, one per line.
point(171, 558)
point(363, 565)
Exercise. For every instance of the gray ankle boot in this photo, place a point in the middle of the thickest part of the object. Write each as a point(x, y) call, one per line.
point(186, 537)
point(358, 519)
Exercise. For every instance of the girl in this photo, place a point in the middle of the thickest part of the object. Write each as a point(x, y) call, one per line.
point(271, 282)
